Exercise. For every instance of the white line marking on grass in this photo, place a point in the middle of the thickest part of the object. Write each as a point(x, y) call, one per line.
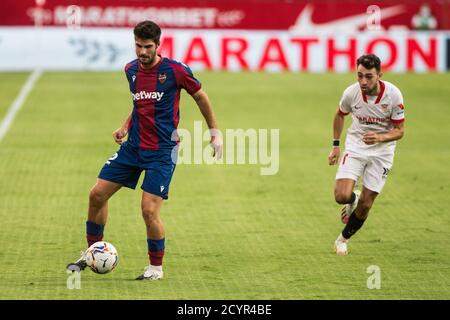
point(17, 104)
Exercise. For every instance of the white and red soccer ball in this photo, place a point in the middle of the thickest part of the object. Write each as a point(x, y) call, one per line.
point(102, 257)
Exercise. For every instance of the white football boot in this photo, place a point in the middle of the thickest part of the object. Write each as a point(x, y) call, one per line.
point(151, 273)
point(349, 208)
point(340, 246)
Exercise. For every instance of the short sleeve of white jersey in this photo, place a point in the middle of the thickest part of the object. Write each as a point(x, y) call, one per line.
point(345, 103)
point(398, 109)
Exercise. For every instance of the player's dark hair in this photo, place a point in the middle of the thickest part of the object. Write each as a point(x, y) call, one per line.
point(147, 30)
point(369, 61)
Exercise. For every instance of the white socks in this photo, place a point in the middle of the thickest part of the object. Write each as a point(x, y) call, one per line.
point(341, 238)
point(158, 268)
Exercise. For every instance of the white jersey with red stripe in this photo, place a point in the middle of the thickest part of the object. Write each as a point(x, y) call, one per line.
point(371, 113)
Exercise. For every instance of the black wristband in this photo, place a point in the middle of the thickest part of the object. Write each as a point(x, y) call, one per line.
point(335, 142)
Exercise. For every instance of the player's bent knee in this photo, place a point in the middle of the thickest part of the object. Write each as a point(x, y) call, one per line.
point(96, 197)
point(341, 197)
point(150, 214)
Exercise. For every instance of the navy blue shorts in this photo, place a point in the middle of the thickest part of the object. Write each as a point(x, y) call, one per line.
point(126, 165)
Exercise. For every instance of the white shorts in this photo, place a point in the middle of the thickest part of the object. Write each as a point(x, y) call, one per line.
point(373, 168)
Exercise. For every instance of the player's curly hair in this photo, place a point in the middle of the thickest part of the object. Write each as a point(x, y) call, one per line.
point(147, 30)
point(369, 61)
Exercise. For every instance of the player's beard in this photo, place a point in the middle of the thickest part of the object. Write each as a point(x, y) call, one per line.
point(370, 91)
point(147, 60)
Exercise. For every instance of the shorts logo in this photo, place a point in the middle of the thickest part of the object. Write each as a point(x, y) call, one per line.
point(114, 157)
point(133, 77)
point(385, 172)
point(162, 77)
point(162, 188)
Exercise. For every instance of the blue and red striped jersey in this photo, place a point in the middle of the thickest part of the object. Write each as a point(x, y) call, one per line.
point(156, 102)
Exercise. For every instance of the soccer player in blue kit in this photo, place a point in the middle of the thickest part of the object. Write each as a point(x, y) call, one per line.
point(155, 84)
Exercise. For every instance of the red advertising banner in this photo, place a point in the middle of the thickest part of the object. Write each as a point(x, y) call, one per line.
point(287, 15)
point(110, 49)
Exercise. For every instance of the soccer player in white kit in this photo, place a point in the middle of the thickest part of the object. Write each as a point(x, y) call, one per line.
point(378, 117)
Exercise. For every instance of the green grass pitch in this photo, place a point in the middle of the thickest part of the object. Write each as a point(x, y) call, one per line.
point(231, 233)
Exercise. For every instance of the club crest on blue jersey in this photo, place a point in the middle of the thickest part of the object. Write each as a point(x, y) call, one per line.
point(162, 77)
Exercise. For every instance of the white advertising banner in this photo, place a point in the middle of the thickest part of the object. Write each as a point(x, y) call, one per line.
point(54, 48)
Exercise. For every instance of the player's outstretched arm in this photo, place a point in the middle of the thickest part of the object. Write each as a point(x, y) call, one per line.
point(338, 125)
point(202, 100)
point(120, 133)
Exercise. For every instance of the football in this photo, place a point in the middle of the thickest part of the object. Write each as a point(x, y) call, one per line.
point(102, 257)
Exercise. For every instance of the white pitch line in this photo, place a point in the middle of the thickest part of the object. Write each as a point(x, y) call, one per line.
point(17, 104)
